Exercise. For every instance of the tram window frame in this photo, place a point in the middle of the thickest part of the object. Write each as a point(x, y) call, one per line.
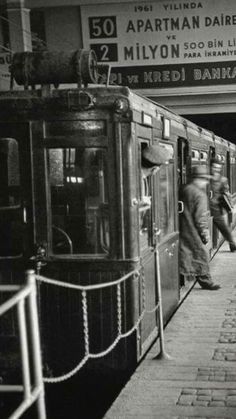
point(183, 160)
point(154, 209)
point(93, 216)
point(166, 128)
point(222, 161)
point(195, 155)
point(145, 206)
point(11, 214)
point(170, 227)
point(233, 175)
point(203, 156)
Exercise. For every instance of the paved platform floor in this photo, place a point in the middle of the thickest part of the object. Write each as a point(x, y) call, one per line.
point(199, 381)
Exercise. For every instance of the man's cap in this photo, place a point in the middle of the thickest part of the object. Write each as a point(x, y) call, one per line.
point(200, 172)
point(155, 155)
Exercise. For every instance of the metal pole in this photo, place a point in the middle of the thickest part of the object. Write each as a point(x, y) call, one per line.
point(24, 348)
point(162, 354)
point(37, 361)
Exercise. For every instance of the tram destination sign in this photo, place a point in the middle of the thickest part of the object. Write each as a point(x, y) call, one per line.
point(163, 44)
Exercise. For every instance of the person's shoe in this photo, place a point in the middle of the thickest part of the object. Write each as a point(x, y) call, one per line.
point(211, 287)
point(232, 247)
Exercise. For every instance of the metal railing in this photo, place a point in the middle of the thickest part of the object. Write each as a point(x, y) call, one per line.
point(85, 289)
point(35, 393)
point(32, 392)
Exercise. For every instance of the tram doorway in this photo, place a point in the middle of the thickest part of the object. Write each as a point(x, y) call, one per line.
point(224, 126)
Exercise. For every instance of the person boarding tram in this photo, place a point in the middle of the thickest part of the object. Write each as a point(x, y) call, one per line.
point(193, 230)
point(220, 203)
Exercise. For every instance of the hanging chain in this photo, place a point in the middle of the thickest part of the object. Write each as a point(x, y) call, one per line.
point(85, 321)
point(119, 314)
point(143, 288)
point(84, 291)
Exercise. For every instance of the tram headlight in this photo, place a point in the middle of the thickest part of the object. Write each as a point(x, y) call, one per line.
point(85, 100)
point(80, 100)
point(121, 105)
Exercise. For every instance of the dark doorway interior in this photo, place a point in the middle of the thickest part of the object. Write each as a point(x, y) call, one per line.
point(222, 124)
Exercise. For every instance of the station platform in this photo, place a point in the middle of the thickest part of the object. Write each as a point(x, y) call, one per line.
point(199, 381)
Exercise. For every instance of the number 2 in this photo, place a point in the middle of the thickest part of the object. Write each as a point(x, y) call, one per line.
point(104, 50)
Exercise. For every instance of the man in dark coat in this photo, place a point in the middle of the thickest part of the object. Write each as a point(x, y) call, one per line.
point(194, 233)
point(220, 190)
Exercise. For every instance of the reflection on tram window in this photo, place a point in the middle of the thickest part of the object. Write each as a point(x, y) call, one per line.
point(9, 172)
point(10, 208)
point(79, 203)
point(166, 199)
point(145, 212)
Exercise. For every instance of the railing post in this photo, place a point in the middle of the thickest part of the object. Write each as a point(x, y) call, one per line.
point(37, 360)
point(24, 348)
point(162, 354)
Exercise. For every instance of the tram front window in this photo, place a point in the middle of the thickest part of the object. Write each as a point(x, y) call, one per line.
point(79, 204)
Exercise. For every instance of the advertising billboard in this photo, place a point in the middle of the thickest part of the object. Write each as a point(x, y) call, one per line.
point(164, 44)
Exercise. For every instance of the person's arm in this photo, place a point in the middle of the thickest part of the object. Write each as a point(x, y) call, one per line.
point(225, 193)
point(225, 188)
point(201, 218)
point(145, 194)
point(224, 185)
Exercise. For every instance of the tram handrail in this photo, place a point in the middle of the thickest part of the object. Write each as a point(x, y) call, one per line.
point(32, 392)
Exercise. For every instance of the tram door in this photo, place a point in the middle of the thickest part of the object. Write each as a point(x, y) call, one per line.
point(158, 226)
point(166, 222)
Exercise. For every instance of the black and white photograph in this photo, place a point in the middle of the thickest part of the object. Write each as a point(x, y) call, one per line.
point(117, 209)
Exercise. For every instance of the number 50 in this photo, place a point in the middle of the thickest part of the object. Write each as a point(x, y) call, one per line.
point(102, 27)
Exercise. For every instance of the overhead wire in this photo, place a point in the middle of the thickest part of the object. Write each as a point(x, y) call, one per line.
point(6, 73)
point(23, 30)
point(34, 37)
point(6, 49)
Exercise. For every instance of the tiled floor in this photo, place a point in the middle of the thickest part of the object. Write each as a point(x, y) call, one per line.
point(199, 381)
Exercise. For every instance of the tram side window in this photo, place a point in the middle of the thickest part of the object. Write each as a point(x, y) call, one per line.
point(233, 175)
point(79, 202)
point(167, 202)
point(10, 206)
point(224, 169)
point(145, 211)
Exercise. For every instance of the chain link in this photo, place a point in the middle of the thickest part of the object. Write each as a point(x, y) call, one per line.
point(143, 289)
point(120, 335)
point(85, 320)
point(119, 314)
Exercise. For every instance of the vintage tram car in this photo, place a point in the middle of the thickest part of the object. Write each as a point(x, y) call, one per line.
point(71, 202)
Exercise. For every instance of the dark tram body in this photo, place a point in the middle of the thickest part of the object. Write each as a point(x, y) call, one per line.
point(71, 208)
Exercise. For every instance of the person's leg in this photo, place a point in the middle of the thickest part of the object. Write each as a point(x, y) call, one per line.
point(225, 231)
